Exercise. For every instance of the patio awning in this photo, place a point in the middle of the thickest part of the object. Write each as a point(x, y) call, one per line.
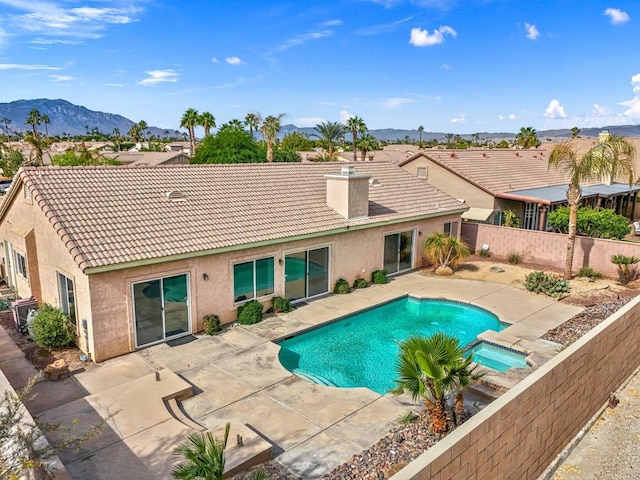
point(478, 214)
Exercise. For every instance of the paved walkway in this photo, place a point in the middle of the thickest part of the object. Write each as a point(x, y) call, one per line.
point(236, 376)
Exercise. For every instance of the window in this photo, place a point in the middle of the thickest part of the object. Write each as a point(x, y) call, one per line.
point(21, 265)
point(67, 297)
point(451, 229)
point(253, 279)
point(422, 172)
point(398, 252)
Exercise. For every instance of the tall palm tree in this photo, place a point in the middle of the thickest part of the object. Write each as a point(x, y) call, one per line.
point(208, 121)
point(330, 133)
point(142, 128)
point(252, 120)
point(34, 119)
point(420, 130)
point(615, 155)
point(367, 143)
point(356, 125)
point(269, 130)
point(204, 457)
point(189, 120)
point(6, 122)
point(433, 369)
point(448, 137)
point(46, 120)
point(527, 137)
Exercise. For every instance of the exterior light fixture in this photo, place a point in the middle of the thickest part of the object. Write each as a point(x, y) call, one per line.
point(205, 277)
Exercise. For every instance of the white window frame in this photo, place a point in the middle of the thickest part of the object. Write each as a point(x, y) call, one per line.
point(254, 297)
point(449, 225)
point(21, 264)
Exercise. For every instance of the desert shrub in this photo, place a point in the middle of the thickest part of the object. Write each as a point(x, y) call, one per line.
point(540, 282)
point(281, 305)
point(624, 263)
point(589, 273)
point(52, 328)
point(250, 313)
point(379, 276)
point(484, 253)
point(342, 286)
point(514, 258)
point(211, 324)
point(591, 222)
point(360, 283)
point(510, 219)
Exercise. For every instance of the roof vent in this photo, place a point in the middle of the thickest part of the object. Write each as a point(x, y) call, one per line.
point(374, 182)
point(348, 170)
point(176, 196)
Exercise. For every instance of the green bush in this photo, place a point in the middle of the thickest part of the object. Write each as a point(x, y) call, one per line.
point(379, 276)
point(484, 253)
point(250, 313)
point(281, 305)
point(589, 272)
point(342, 287)
point(211, 324)
point(514, 258)
point(360, 283)
point(52, 328)
point(592, 222)
point(540, 282)
point(624, 263)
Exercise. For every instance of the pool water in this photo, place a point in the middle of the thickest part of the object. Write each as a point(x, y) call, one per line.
point(497, 358)
point(361, 350)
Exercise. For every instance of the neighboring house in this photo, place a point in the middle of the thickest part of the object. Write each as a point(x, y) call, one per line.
point(137, 256)
point(148, 159)
point(179, 147)
point(491, 181)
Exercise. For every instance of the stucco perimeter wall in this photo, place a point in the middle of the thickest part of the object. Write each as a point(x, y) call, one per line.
point(354, 253)
point(520, 434)
point(546, 248)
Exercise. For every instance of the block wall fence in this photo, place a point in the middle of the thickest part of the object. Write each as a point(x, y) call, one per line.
point(546, 248)
point(521, 433)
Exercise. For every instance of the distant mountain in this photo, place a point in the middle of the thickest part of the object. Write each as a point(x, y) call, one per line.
point(66, 118)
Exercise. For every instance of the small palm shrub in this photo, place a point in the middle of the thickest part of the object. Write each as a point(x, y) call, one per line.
point(52, 328)
point(514, 258)
point(250, 313)
point(445, 252)
point(203, 456)
point(589, 272)
point(540, 282)
point(624, 263)
point(342, 287)
point(379, 276)
point(211, 324)
point(281, 305)
point(360, 283)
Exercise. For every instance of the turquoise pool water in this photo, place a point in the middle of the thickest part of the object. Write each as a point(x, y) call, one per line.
point(361, 350)
point(497, 358)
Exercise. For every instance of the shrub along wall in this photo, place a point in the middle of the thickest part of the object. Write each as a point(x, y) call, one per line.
point(546, 248)
point(521, 433)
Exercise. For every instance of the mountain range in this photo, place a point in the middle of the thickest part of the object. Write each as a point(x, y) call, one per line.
point(67, 118)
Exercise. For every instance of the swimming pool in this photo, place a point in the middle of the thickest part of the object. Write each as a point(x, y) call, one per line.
point(361, 350)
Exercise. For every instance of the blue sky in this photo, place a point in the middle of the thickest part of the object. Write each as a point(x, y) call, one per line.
point(456, 66)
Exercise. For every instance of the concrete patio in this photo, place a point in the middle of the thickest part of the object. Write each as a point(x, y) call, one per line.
point(236, 376)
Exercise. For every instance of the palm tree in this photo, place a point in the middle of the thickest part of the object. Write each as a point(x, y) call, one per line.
point(252, 120)
point(614, 155)
point(330, 133)
point(433, 368)
point(445, 252)
point(527, 137)
point(269, 130)
point(204, 457)
point(208, 121)
point(38, 144)
point(142, 128)
point(448, 137)
point(356, 125)
point(420, 130)
point(367, 143)
point(45, 119)
point(189, 120)
point(575, 131)
point(6, 122)
point(34, 119)
point(134, 133)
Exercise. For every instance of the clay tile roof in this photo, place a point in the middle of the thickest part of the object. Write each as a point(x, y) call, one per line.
point(112, 215)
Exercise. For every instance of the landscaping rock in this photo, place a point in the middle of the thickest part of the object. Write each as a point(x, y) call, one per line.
point(496, 270)
point(56, 370)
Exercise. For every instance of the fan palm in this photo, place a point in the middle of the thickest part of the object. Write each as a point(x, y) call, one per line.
point(208, 121)
point(204, 457)
point(614, 155)
point(433, 369)
point(356, 125)
point(270, 128)
point(367, 143)
point(46, 120)
point(445, 251)
point(527, 137)
point(252, 120)
point(330, 133)
point(34, 119)
point(189, 120)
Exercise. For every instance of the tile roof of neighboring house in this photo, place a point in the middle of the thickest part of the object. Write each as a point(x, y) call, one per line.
point(112, 215)
point(499, 170)
point(141, 159)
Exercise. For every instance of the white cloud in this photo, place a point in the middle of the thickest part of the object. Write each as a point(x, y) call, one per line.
point(555, 110)
point(214, 60)
point(20, 66)
point(345, 116)
point(459, 119)
point(301, 39)
point(395, 102)
point(617, 16)
point(116, 85)
point(61, 78)
point(54, 41)
point(308, 121)
point(513, 117)
point(445, 66)
point(159, 76)
point(633, 111)
point(422, 38)
point(233, 60)
point(532, 31)
point(331, 23)
point(383, 28)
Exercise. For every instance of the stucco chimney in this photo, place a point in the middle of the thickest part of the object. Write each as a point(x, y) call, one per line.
point(348, 192)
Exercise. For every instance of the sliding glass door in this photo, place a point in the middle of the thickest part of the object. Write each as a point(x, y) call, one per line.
point(161, 309)
point(306, 273)
point(398, 252)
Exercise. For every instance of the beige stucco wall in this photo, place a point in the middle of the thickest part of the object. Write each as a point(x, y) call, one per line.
point(353, 254)
point(23, 220)
point(450, 183)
